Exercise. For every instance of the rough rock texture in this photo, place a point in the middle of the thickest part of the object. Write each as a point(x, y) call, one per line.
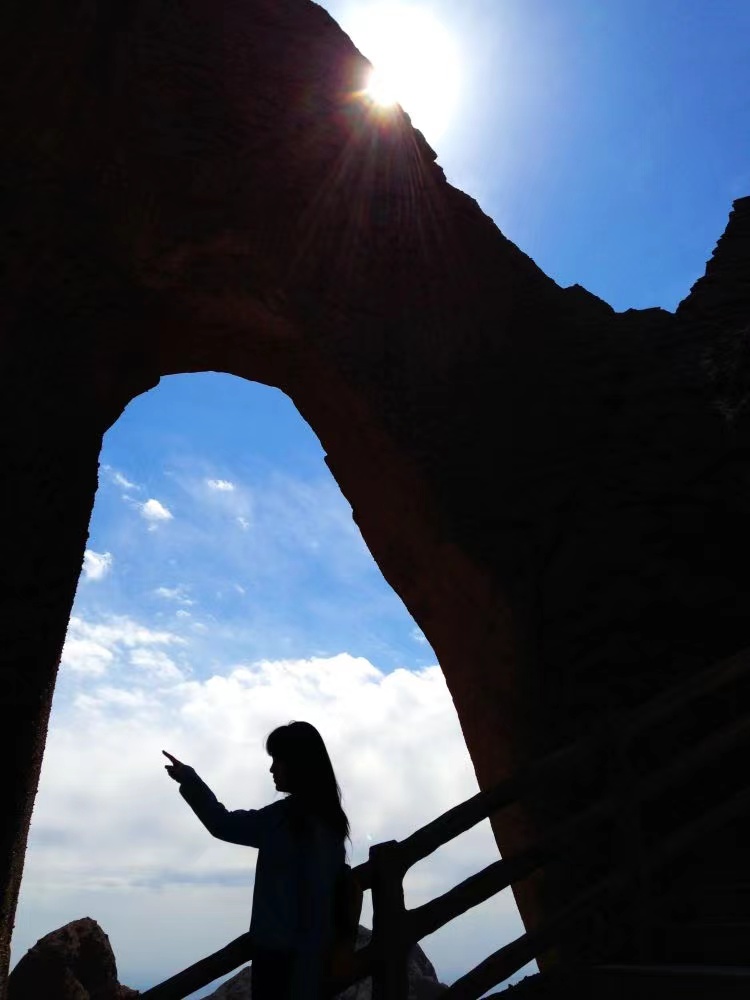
point(559, 493)
point(75, 962)
point(423, 982)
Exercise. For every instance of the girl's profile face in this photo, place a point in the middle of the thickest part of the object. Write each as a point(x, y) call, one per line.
point(280, 775)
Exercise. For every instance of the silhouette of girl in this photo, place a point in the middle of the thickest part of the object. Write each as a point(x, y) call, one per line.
point(300, 841)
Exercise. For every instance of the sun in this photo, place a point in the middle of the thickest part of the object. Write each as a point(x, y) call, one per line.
point(415, 62)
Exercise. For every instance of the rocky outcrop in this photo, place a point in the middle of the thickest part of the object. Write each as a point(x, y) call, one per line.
point(75, 962)
point(558, 493)
point(423, 982)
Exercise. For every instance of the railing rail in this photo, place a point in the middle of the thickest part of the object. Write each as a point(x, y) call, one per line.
point(396, 929)
point(509, 959)
point(498, 876)
point(467, 814)
point(221, 962)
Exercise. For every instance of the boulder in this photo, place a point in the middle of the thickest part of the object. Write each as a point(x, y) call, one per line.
point(74, 962)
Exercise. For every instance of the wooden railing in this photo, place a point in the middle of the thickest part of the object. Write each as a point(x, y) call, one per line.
point(397, 929)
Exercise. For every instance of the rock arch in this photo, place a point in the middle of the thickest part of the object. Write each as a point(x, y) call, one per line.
point(198, 187)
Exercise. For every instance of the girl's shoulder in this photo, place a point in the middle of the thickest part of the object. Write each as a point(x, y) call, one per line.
point(275, 814)
point(280, 810)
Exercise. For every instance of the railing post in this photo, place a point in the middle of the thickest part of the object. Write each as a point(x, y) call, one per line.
point(390, 979)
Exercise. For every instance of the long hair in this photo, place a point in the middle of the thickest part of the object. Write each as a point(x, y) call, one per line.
point(312, 782)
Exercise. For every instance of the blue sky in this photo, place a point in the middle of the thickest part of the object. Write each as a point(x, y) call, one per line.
point(283, 570)
point(226, 588)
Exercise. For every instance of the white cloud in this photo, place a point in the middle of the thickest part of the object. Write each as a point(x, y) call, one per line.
point(178, 594)
point(124, 482)
point(119, 479)
point(85, 656)
point(230, 501)
point(156, 663)
point(155, 512)
point(95, 648)
point(96, 565)
point(108, 696)
point(118, 630)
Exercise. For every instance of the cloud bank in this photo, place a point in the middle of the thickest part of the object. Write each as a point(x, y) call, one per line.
point(111, 837)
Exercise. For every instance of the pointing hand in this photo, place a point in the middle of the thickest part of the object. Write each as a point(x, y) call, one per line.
point(176, 770)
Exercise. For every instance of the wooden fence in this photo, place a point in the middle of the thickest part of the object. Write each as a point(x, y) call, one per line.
point(397, 929)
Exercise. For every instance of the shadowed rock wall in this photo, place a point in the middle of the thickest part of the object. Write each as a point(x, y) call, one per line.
point(556, 491)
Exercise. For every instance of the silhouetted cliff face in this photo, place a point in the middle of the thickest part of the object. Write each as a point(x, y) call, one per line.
point(645, 580)
point(557, 492)
point(717, 311)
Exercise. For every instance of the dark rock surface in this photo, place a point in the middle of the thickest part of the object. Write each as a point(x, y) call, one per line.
point(559, 493)
point(423, 982)
point(74, 962)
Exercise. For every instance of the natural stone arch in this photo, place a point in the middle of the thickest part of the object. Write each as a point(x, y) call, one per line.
point(191, 190)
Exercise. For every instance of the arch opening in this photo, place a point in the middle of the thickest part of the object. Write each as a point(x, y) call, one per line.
point(225, 589)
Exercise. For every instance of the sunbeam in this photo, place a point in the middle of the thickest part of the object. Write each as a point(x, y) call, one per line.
point(415, 63)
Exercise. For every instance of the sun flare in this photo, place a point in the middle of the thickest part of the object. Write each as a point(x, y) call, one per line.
point(415, 62)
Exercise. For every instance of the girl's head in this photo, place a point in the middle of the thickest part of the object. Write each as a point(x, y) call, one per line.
point(301, 766)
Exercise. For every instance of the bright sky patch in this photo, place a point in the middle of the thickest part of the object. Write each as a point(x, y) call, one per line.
point(415, 62)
